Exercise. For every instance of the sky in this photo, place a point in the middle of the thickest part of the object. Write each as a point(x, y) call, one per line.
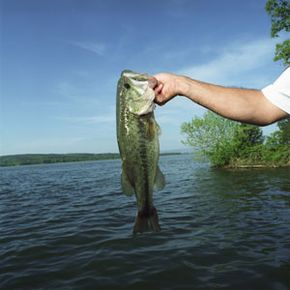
point(60, 61)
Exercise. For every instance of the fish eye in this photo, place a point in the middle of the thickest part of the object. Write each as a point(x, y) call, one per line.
point(127, 86)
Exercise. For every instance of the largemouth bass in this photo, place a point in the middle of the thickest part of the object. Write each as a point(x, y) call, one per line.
point(137, 134)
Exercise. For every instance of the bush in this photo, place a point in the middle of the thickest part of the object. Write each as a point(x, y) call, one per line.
point(224, 142)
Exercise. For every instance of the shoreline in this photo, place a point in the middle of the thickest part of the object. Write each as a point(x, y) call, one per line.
point(254, 166)
point(38, 159)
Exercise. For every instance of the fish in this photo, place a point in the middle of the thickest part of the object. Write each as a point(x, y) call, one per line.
point(138, 142)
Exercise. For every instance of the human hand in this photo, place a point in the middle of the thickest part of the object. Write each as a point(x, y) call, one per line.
point(167, 87)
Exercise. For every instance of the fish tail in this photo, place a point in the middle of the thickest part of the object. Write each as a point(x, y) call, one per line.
point(147, 221)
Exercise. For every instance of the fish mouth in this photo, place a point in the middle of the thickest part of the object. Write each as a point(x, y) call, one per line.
point(143, 86)
point(140, 77)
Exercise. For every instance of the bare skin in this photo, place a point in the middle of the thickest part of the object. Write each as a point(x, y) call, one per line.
point(244, 105)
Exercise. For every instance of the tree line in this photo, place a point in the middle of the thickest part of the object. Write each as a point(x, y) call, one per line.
point(28, 159)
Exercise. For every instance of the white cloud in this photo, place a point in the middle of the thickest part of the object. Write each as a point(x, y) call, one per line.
point(236, 64)
point(95, 47)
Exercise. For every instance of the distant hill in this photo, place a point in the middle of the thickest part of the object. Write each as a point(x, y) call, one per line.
point(29, 159)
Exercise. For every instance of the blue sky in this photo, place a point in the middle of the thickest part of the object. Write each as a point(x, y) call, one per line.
point(61, 59)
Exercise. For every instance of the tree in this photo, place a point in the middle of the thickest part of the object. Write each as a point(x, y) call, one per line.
point(212, 136)
point(279, 11)
point(248, 142)
point(274, 139)
point(284, 127)
point(224, 142)
point(248, 135)
point(277, 149)
point(282, 136)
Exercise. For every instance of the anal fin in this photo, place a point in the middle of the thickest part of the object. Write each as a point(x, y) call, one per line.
point(159, 182)
point(127, 187)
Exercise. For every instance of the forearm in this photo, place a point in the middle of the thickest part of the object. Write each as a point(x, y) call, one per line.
point(244, 105)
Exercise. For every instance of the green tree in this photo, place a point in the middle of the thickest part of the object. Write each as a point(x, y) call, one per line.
point(281, 136)
point(284, 127)
point(212, 136)
point(248, 135)
point(274, 139)
point(279, 11)
point(248, 142)
point(224, 142)
point(276, 150)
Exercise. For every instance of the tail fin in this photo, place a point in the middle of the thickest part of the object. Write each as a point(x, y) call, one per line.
point(147, 221)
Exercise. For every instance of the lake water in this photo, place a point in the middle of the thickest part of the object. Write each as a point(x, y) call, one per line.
point(68, 226)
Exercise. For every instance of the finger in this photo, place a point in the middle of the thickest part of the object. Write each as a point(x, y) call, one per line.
point(159, 101)
point(158, 89)
point(152, 82)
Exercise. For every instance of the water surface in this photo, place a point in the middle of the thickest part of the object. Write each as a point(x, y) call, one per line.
point(68, 226)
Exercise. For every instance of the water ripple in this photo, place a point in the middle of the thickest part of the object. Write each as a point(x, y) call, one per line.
point(68, 226)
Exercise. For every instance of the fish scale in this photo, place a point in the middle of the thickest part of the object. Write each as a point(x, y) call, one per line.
point(144, 165)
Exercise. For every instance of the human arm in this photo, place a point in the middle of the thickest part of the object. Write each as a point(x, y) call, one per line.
point(244, 105)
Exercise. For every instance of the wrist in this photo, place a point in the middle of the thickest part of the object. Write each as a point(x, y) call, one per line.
point(182, 85)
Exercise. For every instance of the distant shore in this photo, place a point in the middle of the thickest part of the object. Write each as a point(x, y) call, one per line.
point(31, 159)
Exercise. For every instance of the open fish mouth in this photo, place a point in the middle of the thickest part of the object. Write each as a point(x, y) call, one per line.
point(134, 77)
point(143, 85)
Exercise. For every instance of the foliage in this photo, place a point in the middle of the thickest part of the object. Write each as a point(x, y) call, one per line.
point(248, 135)
point(284, 127)
point(246, 141)
point(212, 136)
point(228, 143)
point(278, 155)
point(279, 11)
point(282, 136)
point(283, 51)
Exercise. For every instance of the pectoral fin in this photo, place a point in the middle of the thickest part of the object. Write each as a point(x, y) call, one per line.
point(152, 129)
point(127, 187)
point(159, 182)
